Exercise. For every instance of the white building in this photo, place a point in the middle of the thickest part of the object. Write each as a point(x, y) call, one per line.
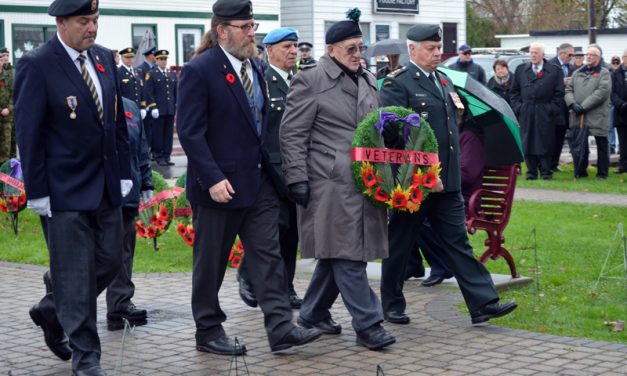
point(178, 25)
point(612, 41)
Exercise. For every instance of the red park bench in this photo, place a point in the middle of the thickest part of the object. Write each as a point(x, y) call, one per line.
point(489, 209)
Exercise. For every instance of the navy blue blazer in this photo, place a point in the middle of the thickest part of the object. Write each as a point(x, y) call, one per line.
point(74, 161)
point(216, 129)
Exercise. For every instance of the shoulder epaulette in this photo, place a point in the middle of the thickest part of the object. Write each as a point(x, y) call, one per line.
point(396, 72)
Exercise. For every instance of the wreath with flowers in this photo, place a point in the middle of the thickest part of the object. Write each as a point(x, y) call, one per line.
point(236, 254)
point(12, 194)
point(155, 216)
point(418, 165)
point(183, 212)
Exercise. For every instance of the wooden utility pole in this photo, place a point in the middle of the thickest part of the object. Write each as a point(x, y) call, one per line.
point(592, 28)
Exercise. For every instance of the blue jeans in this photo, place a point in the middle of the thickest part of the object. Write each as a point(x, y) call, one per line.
point(611, 136)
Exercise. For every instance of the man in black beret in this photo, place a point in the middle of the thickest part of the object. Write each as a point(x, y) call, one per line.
point(431, 94)
point(325, 103)
point(228, 181)
point(73, 141)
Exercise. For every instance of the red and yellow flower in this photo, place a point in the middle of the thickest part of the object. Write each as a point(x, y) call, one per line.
point(399, 198)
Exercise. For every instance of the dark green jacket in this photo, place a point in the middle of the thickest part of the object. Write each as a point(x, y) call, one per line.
point(6, 94)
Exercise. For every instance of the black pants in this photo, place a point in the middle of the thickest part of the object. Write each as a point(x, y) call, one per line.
point(622, 142)
point(85, 255)
point(215, 231)
point(560, 135)
point(603, 157)
point(121, 290)
point(162, 136)
point(334, 276)
point(147, 123)
point(288, 239)
point(445, 212)
point(538, 162)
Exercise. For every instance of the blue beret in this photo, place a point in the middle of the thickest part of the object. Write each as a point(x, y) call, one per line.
point(70, 8)
point(420, 32)
point(279, 35)
point(233, 9)
point(464, 48)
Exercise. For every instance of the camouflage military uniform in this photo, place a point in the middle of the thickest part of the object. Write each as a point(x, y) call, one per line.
point(6, 122)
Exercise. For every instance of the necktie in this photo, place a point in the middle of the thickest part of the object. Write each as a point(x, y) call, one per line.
point(535, 69)
point(565, 70)
point(289, 77)
point(131, 70)
point(248, 85)
point(90, 85)
point(435, 82)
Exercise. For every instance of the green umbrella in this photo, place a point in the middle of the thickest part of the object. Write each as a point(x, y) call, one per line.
point(502, 140)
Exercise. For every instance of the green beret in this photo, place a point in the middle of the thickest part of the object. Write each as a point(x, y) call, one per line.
point(70, 8)
point(233, 9)
point(420, 32)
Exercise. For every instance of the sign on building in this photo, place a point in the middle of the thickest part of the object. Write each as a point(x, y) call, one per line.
point(396, 6)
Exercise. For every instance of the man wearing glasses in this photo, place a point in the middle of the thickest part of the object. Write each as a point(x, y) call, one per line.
point(222, 104)
point(337, 224)
point(465, 64)
point(566, 51)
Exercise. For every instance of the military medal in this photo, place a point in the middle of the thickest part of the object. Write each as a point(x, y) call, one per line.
point(72, 103)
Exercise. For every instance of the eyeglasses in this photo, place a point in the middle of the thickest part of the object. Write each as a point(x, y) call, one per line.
point(352, 49)
point(467, 53)
point(615, 62)
point(571, 55)
point(245, 28)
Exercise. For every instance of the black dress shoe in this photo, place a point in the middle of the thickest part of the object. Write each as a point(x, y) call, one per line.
point(135, 317)
point(620, 171)
point(92, 371)
point(296, 337)
point(48, 282)
point(222, 345)
point(326, 326)
point(396, 317)
point(417, 273)
point(556, 169)
point(246, 292)
point(162, 163)
point(170, 163)
point(531, 177)
point(490, 311)
point(375, 337)
point(55, 338)
point(295, 301)
point(432, 280)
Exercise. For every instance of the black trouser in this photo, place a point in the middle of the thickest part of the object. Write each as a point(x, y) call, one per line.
point(334, 276)
point(288, 239)
point(162, 136)
point(560, 135)
point(121, 290)
point(445, 212)
point(85, 249)
point(538, 162)
point(428, 244)
point(603, 157)
point(622, 142)
point(215, 231)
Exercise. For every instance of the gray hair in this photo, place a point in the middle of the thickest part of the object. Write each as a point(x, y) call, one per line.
point(537, 44)
point(597, 47)
point(564, 46)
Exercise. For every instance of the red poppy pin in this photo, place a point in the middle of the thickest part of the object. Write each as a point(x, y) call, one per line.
point(2, 84)
point(100, 68)
point(506, 84)
point(230, 78)
point(595, 74)
point(443, 81)
point(128, 114)
point(540, 74)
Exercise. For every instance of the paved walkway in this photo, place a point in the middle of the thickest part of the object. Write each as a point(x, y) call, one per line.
point(439, 340)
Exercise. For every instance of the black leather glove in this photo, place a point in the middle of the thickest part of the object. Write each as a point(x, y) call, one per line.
point(390, 135)
point(623, 108)
point(577, 109)
point(299, 193)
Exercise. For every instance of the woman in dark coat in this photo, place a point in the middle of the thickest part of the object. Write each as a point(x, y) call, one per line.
point(501, 82)
point(619, 100)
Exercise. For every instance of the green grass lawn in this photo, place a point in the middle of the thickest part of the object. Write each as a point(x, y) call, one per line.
point(615, 183)
point(572, 241)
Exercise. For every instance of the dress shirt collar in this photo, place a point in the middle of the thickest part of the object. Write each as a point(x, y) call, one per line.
point(284, 75)
point(70, 51)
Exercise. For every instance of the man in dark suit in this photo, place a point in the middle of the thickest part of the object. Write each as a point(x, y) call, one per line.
point(537, 98)
point(281, 48)
point(74, 146)
point(565, 53)
point(146, 66)
point(160, 90)
point(131, 83)
point(222, 110)
point(428, 93)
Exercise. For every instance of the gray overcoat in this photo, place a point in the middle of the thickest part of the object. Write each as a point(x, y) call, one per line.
point(592, 90)
point(323, 109)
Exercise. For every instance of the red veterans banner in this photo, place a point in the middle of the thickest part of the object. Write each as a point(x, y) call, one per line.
point(164, 195)
point(13, 182)
point(394, 156)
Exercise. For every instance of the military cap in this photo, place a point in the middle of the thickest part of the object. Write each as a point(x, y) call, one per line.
point(345, 29)
point(579, 51)
point(233, 9)
point(162, 53)
point(70, 8)
point(150, 51)
point(305, 46)
point(420, 32)
point(465, 48)
point(279, 35)
point(4, 50)
point(260, 48)
point(127, 52)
